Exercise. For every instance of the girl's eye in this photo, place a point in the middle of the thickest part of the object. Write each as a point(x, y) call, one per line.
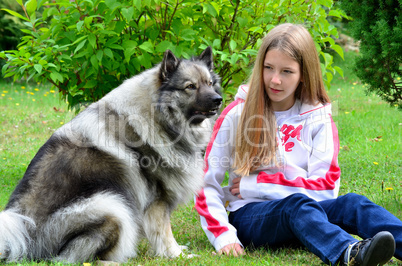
point(288, 72)
point(190, 87)
point(268, 67)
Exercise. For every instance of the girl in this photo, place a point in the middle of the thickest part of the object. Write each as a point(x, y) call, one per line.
point(280, 146)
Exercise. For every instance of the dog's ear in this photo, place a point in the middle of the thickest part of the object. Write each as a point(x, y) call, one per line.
point(207, 57)
point(169, 65)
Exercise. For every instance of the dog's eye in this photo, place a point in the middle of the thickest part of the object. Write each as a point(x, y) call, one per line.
point(190, 87)
point(210, 83)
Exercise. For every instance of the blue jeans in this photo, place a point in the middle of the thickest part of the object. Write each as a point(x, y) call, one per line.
point(323, 227)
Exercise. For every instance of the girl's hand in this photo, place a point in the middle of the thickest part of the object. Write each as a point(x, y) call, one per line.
point(234, 249)
point(235, 189)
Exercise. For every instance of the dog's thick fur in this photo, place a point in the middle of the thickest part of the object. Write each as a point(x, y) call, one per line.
point(114, 173)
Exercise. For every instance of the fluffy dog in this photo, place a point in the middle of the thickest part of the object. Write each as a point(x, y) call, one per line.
point(115, 172)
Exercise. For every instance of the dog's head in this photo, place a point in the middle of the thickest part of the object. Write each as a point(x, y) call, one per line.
point(190, 86)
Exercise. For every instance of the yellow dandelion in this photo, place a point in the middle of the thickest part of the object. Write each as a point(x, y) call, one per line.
point(36, 89)
point(389, 188)
point(32, 93)
point(28, 92)
point(86, 264)
point(375, 163)
point(355, 83)
point(33, 100)
point(398, 78)
point(61, 123)
point(51, 91)
point(5, 91)
point(346, 113)
point(3, 95)
point(23, 87)
point(17, 104)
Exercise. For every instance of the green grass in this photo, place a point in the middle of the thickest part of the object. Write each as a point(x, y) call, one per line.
point(370, 159)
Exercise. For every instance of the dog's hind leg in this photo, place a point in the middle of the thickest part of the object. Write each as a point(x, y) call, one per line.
point(159, 232)
point(100, 227)
point(95, 240)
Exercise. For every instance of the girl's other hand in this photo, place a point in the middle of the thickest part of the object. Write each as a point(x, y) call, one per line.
point(235, 188)
point(234, 249)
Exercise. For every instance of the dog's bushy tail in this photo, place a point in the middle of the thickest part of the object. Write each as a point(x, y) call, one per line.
point(14, 237)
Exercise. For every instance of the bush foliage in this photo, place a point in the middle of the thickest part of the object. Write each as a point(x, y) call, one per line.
point(85, 48)
point(378, 24)
point(10, 28)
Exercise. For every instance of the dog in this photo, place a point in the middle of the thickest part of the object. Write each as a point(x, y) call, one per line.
point(113, 174)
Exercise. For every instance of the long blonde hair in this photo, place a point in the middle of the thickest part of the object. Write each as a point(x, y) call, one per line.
point(256, 141)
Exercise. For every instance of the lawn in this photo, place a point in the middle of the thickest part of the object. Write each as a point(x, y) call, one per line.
point(370, 159)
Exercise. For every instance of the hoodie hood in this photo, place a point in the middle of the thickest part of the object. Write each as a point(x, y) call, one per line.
point(242, 93)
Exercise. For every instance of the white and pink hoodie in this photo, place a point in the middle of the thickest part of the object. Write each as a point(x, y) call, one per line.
point(307, 162)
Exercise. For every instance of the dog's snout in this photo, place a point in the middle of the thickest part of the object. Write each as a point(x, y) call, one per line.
point(217, 99)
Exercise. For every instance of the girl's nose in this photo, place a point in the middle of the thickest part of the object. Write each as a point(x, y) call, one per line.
point(275, 79)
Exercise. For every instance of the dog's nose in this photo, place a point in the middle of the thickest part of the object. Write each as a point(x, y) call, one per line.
point(217, 99)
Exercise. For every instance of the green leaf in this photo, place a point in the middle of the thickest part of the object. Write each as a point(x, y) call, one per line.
point(115, 46)
point(256, 29)
point(338, 49)
point(109, 53)
point(129, 49)
point(56, 76)
point(92, 40)
point(210, 9)
point(112, 4)
point(42, 62)
point(327, 58)
point(80, 39)
point(334, 13)
point(64, 57)
point(163, 46)
point(339, 70)
point(79, 46)
point(38, 68)
point(99, 55)
point(31, 6)
point(147, 46)
point(137, 4)
point(128, 13)
point(15, 14)
point(79, 25)
point(91, 84)
point(232, 45)
point(94, 61)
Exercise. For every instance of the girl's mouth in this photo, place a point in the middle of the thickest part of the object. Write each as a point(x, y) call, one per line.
point(275, 91)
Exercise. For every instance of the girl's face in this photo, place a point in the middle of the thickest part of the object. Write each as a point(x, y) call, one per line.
point(282, 76)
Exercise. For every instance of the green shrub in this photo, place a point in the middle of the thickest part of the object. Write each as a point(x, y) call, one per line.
point(378, 24)
point(10, 28)
point(85, 48)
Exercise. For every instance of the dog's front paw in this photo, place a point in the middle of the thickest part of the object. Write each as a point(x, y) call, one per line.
point(183, 247)
point(184, 250)
point(192, 256)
